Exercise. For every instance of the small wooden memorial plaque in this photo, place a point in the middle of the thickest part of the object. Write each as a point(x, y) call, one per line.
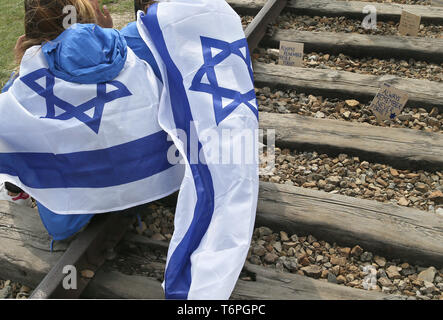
point(388, 103)
point(291, 54)
point(409, 24)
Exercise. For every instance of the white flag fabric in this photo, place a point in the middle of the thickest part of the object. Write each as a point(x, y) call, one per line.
point(97, 146)
point(208, 107)
point(85, 148)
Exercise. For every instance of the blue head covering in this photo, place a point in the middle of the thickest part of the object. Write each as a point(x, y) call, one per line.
point(86, 53)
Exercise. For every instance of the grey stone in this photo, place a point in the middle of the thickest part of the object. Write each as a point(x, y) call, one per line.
point(366, 256)
point(381, 273)
point(427, 274)
point(148, 232)
point(312, 271)
point(384, 282)
point(255, 260)
point(284, 236)
point(405, 117)
point(259, 250)
point(319, 115)
point(407, 271)
point(291, 264)
point(380, 261)
point(393, 273)
point(277, 246)
point(387, 289)
point(264, 231)
point(270, 257)
point(428, 288)
point(332, 278)
point(334, 180)
point(401, 285)
point(5, 292)
point(311, 239)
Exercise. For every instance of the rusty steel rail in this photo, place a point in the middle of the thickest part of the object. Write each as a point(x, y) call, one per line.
point(87, 252)
point(257, 28)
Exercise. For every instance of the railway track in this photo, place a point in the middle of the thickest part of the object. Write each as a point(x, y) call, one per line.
point(122, 262)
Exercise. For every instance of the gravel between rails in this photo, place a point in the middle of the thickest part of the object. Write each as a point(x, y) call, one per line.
point(13, 290)
point(342, 24)
point(303, 255)
point(246, 20)
point(351, 177)
point(368, 65)
point(289, 101)
point(343, 265)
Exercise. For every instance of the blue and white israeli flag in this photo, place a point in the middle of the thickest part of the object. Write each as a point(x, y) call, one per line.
point(85, 148)
point(208, 94)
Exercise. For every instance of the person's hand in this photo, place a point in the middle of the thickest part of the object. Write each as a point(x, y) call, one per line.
point(18, 44)
point(104, 18)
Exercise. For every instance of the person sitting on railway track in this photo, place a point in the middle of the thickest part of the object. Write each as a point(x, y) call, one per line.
point(83, 54)
point(12, 193)
point(101, 130)
point(8, 191)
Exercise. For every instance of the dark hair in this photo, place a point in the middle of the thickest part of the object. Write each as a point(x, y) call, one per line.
point(144, 4)
point(44, 20)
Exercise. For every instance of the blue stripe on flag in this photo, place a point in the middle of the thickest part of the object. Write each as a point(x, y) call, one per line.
point(178, 274)
point(113, 166)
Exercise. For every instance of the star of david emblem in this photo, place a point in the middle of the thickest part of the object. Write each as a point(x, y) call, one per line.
point(205, 80)
point(96, 104)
